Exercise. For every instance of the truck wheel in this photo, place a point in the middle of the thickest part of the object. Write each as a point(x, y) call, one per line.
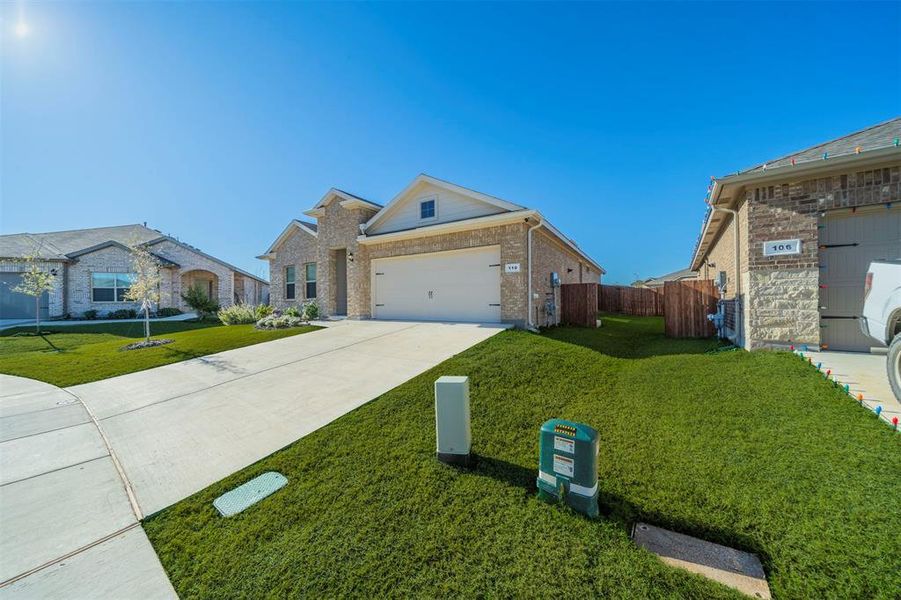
point(893, 365)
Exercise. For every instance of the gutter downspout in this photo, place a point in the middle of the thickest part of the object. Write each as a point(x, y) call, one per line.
point(739, 324)
point(529, 244)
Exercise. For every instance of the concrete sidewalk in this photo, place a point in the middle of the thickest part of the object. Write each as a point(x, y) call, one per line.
point(865, 374)
point(64, 506)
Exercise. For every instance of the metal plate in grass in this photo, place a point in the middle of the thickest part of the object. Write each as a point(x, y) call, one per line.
point(737, 569)
point(246, 495)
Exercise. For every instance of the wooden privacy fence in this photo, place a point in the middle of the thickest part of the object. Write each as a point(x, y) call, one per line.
point(687, 305)
point(640, 302)
point(579, 304)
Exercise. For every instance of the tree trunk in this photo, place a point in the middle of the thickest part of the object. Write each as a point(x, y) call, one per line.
point(146, 323)
point(37, 314)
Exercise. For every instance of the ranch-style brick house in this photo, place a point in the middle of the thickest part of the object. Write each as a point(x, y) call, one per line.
point(437, 251)
point(794, 237)
point(93, 267)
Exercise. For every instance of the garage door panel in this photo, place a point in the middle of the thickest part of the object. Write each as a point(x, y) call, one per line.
point(446, 286)
point(849, 242)
point(15, 305)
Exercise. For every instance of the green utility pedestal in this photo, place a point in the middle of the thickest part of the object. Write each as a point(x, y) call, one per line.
point(568, 465)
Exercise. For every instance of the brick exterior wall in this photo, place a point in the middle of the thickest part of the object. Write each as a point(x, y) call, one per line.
point(721, 256)
point(551, 256)
point(339, 228)
point(298, 248)
point(781, 293)
point(56, 297)
point(189, 261)
point(511, 239)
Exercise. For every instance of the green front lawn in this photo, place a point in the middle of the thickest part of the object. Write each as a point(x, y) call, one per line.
point(753, 450)
point(75, 354)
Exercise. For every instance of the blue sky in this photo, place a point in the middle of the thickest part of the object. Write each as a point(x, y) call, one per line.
point(219, 122)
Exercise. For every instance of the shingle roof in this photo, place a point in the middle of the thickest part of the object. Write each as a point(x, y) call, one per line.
point(876, 136)
point(312, 226)
point(358, 197)
point(57, 244)
point(674, 276)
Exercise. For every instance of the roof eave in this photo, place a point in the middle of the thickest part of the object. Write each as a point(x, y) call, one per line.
point(735, 182)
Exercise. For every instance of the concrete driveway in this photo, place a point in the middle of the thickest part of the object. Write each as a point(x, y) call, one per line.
point(176, 429)
point(81, 466)
point(865, 374)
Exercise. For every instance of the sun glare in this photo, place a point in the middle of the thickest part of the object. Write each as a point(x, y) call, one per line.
point(21, 29)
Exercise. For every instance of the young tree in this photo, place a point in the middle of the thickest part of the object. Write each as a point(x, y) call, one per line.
point(145, 287)
point(35, 281)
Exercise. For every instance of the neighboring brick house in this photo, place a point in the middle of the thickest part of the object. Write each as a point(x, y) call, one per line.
point(808, 225)
point(93, 268)
point(437, 251)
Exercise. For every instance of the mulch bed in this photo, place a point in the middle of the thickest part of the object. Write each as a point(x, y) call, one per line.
point(150, 344)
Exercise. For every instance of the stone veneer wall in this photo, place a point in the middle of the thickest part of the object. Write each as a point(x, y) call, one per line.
point(511, 239)
point(338, 229)
point(783, 292)
point(298, 248)
point(56, 297)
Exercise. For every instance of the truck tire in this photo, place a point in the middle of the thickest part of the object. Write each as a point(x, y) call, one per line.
point(893, 366)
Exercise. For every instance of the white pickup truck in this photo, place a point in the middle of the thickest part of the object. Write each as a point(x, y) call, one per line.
point(881, 318)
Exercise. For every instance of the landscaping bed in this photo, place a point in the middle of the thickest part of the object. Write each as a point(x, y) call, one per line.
point(752, 450)
point(73, 354)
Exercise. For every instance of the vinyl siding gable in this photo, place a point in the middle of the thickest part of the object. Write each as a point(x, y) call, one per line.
point(450, 206)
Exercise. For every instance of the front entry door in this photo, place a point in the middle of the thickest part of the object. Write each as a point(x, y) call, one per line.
point(341, 282)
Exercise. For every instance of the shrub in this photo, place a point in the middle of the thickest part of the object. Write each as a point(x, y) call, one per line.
point(168, 311)
point(310, 310)
point(237, 314)
point(263, 310)
point(123, 313)
point(197, 299)
point(279, 322)
point(292, 311)
point(89, 315)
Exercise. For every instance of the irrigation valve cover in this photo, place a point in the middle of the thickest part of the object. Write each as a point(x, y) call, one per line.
point(568, 465)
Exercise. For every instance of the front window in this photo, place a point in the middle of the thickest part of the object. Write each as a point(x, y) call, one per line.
point(110, 287)
point(310, 275)
point(289, 282)
point(427, 209)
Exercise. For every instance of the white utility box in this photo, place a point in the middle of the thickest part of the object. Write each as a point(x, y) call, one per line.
point(454, 436)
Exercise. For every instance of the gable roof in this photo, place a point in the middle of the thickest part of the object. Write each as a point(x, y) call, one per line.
point(396, 202)
point(165, 262)
point(347, 199)
point(67, 245)
point(295, 224)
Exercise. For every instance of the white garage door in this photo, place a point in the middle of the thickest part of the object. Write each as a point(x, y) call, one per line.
point(461, 285)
